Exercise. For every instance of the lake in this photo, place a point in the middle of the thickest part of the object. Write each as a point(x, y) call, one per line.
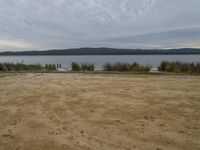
point(99, 61)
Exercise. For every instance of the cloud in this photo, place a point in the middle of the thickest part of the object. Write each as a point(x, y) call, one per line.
point(180, 36)
point(7, 44)
point(48, 24)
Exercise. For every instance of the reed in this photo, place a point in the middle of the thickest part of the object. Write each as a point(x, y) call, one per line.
point(19, 66)
point(179, 67)
point(75, 66)
point(125, 67)
point(9, 67)
point(87, 67)
point(50, 67)
point(82, 67)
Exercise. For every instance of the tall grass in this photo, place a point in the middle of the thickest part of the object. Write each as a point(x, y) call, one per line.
point(125, 67)
point(50, 67)
point(179, 67)
point(82, 67)
point(87, 67)
point(24, 67)
point(75, 66)
point(19, 66)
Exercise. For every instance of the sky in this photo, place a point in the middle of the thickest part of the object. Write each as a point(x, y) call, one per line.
point(58, 24)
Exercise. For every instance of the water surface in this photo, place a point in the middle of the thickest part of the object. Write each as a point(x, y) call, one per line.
point(99, 61)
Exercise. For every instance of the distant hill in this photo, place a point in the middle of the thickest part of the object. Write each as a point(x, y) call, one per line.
point(106, 51)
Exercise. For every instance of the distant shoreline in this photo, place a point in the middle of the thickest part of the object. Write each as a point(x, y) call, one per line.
point(101, 55)
point(103, 52)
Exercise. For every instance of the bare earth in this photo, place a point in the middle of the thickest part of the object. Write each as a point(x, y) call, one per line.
point(99, 112)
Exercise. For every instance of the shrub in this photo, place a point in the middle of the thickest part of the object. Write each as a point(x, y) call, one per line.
point(17, 67)
point(178, 67)
point(163, 65)
point(108, 67)
point(145, 68)
point(87, 67)
point(82, 67)
point(123, 67)
point(75, 66)
point(135, 67)
point(50, 67)
point(4, 68)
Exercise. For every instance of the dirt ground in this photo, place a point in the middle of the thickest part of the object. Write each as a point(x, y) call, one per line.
point(99, 112)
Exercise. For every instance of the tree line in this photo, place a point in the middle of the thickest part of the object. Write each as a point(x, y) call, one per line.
point(165, 66)
point(23, 67)
point(121, 67)
point(179, 67)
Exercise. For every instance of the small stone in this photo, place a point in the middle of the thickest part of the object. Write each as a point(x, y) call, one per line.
point(181, 131)
point(91, 111)
point(161, 125)
point(117, 121)
point(6, 135)
point(82, 132)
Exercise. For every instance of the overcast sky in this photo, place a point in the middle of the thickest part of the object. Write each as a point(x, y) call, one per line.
point(49, 24)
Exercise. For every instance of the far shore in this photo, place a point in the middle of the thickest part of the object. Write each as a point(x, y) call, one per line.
point(98, 72)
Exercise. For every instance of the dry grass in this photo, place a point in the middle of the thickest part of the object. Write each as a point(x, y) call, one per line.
point(82, 111)
point(6, 74)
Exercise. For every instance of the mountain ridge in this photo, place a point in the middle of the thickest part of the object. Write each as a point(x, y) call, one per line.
point(105, 51)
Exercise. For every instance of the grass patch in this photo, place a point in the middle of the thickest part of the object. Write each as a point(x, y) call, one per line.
point(11, 67)
point(82, 67)
point(7, 74)
point(144, 75)
point(179, 67)
point(125, 67)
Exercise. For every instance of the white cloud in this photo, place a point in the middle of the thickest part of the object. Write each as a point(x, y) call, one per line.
point(80, 23)
point(15, 44)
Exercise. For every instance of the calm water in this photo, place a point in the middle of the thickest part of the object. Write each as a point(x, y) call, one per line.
point(153, 60)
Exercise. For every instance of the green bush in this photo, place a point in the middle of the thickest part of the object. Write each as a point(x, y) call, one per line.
point(50, 67)
point(87, 67)
point(145, 68)
point(3, 68)
point(19, 66)
point(75, 66)
point(178, 67)
point(135, 67)
point(108, 67)
point(82, 67)
point(125, 67)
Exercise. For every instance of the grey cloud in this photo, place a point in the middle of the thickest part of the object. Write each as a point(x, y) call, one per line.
point(170, 38)
point(43, 24)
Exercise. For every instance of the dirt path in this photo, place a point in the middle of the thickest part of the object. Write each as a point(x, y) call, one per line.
point(97, 112)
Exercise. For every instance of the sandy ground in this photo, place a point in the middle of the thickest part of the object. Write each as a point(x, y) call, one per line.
point(99, 112)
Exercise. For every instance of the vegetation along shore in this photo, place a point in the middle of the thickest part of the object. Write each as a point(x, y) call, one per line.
point(165, 66)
